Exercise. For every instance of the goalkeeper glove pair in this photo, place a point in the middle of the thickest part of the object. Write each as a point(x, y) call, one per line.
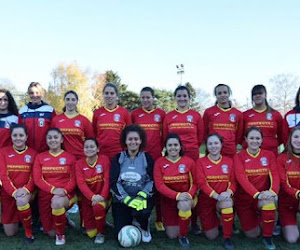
point(138, 203)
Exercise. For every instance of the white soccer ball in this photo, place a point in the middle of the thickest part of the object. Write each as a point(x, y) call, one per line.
point(129, 236)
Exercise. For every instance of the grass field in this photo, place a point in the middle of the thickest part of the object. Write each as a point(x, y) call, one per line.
point(75, 240)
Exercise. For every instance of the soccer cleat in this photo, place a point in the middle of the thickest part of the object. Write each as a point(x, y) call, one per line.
point(28, 240)
point(184, 241)
point(277, 230)
point(100, 238)
point(268, 243)
point(228, 244)
point(60, 240)
point(146, 235)
point(196, 230)
point(159, 226)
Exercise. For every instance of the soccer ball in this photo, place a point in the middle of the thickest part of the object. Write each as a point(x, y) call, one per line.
point(129, 236)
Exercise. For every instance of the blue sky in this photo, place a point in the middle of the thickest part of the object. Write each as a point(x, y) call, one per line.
point(240, 43)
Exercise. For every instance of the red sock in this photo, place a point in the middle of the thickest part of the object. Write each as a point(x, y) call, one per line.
point(227, 218)
point(184, 222)
point(59, 217)
point(26, 218)
point(268, 221)
point(158, 207)
point(99, 212)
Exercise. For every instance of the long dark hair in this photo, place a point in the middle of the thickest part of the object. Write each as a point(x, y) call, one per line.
point(258, 89)
point(228, 89)
point(76, 96)
point(177, 137)
point(210, 135)
point(12, 106)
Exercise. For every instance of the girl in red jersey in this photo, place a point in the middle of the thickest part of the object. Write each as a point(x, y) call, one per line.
point(151, 120)
point(224, 120)
point(265, 118)
point(17, 185)
point(75, 127)
point(109, 121)
point(173, 177)
point(216, 181)
point(258, 178)
point(188, 124)
point(92, 175)
point(8, 116)
point(54, 174)
point(288, 203)
point(291, 118)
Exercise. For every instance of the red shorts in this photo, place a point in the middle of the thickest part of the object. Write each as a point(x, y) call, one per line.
point(208, 213)
point(9, 211)
point(287, 211)
point(88, 215)
point(44, 201)
point(169, 211)
point(248, 212)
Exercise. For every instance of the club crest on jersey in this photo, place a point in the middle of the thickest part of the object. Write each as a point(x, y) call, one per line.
point(225, 169)
point(157, 118)
point(264, 161)
point(41, 122)
point(62, 161)
point(99, 169)
point(117, 117)
point(77, 123)
point(232, 117)
point(189, 118)
point(269, 116)
point(27, 158)
point(181, 168)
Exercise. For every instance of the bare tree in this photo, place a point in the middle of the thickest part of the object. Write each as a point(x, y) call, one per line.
point(203, 99)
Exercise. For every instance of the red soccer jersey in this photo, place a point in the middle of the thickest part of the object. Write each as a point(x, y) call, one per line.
point(16, 169)
point(93, 179)
point(291, 120)
point(151, 122)
point(270, 124)
point(172, 178)
point(289, 170)
point(215, 176)
point(54, 171)
point(75, 129)
point(37, 119)
point(108, 125)
point(226, 122)
point(189, 126)
point(256, 173)
point(5, 121)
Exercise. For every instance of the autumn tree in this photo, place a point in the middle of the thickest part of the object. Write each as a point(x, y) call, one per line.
point(283, 91)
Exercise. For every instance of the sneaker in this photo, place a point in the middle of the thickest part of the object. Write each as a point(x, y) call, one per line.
point(28, 240)
point(277, 230)
point(100, 238)
point(83, 230)
point(159, 226)
point(70, 222)
point(60, 240)
point(268, 243)
point(196, 230)
point(228, 244)
point(146, 235)
point(108, 224)
point(184, 241)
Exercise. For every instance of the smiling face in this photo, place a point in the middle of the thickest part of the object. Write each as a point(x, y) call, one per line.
point(110, 96)
point(3, 102)
point(173, 148)
point(147, 100)
point(295, 141)
point(71, 102)
point(259, 97)
point(213, 145)
point(19, 138)
point(90, 148)
point(254, 141)
point(182, 99)
point(222, 95)
point(35, 95)
point(54, 140)
point(133, 141)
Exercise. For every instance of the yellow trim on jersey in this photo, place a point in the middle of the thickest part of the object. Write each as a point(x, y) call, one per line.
point(297, 197)
point(254, 156)
point(297, 156)
point(260, 111)
point(191, 182)
point(148, 111)
point(73, 200)
point(20, 152)
point(71, 116)
point(111, 110)
point(224, 110)
point(213, 161)
point(172, 160)
point(182, 112)
point(256, 195)
point(102, 203)
point(177, 196)
point(57, 154)
point(94, 164)
point(212, 193)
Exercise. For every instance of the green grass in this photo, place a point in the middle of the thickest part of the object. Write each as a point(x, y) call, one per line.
point(75, 240)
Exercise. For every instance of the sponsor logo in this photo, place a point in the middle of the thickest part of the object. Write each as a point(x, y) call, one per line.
point(27, 158)
point(251, 115)
point(174, 117)
point(41, 122)
point(102, 114)
point(62, 161)
point(157, 118)
point(12, 155)
point(181, 168)
point(61, 120)
point(247, 160)
point(47, 159)
point(289, 161)
point(232, 117)
point(209, 166)
point(42, 114)
point(166, 165)
point(216, 114)
point(131, 176)
point(141, 115)
point(189, 118)
point(225, 169)
point(264, 161)
point(117, 117)
point(99, 169)
point(77, 123)
point(85, 169)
